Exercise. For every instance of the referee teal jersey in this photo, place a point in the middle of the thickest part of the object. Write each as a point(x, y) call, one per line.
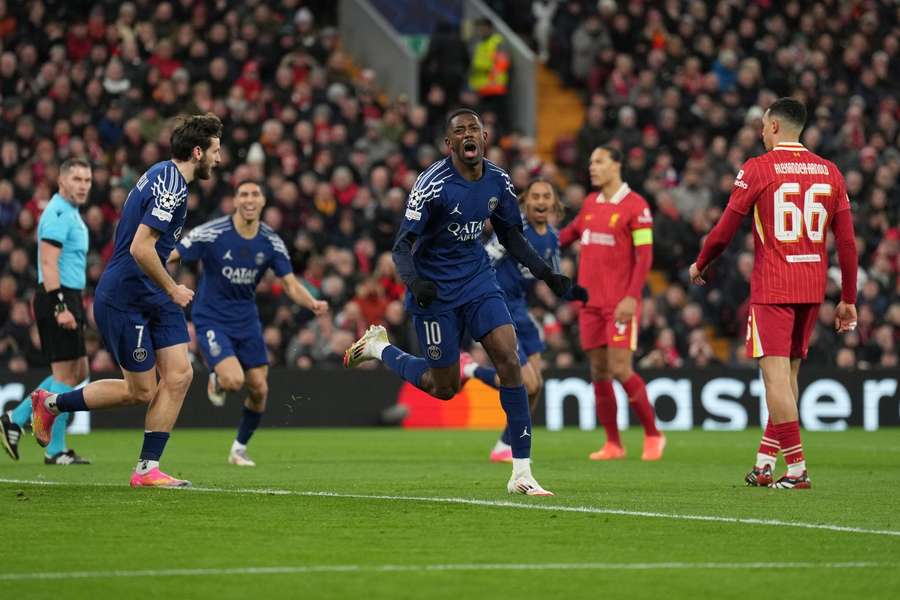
point(61, 225)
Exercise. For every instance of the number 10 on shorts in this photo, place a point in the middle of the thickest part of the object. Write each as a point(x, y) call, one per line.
point(432, 332)
point(432, 339)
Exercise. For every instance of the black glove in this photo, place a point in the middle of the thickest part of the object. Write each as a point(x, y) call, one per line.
point(578, 293)
point(558, 283)
point(424, 291)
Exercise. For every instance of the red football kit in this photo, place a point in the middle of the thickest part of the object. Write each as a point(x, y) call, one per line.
point(794, 196)
point(616, 236)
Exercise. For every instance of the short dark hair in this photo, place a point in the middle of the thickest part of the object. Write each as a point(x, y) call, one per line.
point(461, 111)
point(193, 131)
point(615, 154)
point(249, 181)
point(790, 110)
point(71, 163)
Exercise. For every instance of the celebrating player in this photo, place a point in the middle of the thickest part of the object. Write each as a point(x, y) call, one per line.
point(794, 195)
point(138, 306)
point(235, 252)
point(616, 235)
point(538, 200)
point(451, 286)
point(58, 307)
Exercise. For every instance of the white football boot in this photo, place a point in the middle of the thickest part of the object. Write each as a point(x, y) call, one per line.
point(526, 484)
point(368, 347)
point(238, 456)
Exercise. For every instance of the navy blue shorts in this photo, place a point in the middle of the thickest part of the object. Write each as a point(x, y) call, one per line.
point(133, 337)
point(440, 334)
point(527, 331)
point(217, 342)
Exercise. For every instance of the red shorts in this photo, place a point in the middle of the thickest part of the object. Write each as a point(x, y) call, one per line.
point(599, 328)
point(780, 329)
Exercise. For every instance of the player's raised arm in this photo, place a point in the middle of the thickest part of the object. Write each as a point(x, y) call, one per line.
point(743, 197)
point(143, 249)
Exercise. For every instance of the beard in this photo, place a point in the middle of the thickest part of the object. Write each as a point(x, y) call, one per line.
point(203, 170)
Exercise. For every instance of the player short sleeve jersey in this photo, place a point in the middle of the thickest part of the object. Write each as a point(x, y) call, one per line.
point(447, 213)
point(515, 279)
point(793, 195)
point(61, 224)
point(158, 200)
point(232, 268)
point(609, 230)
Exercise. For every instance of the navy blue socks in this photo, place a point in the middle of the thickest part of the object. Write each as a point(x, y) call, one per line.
point(518, 417)
point(409, 367)
point(154, 444)
point(249, 423)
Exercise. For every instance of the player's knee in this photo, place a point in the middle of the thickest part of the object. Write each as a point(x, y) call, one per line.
point(534, 384)
point(259, 391)
point(140, 394)
point(622, 373)
point(231, 382)
point(179, 378)
point(256, 404)
point(600, 371)
point(509, 370)
point(445, 392)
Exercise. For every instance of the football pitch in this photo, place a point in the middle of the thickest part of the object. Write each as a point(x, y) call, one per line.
point(387, 513)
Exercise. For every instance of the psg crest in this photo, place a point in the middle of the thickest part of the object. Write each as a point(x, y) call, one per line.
point(492, 203)
point(434, 352)
point(139, 354)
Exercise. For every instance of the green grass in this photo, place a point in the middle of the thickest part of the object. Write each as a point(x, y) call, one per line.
point(95, 522)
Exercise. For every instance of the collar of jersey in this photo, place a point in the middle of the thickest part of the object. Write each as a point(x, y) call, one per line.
point(617, 197)
point(789, 146)
point(65, 202)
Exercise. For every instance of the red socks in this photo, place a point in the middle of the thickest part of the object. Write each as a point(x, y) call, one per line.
point(605, 398)
point(769, 444)
point(637, 397)
point(788, 435)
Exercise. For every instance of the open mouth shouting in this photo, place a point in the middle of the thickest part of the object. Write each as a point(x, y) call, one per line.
point(470, 150)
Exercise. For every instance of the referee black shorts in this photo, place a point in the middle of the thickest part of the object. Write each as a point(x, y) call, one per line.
point(60, 344)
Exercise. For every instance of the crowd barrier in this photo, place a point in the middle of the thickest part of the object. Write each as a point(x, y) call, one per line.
point(711, 399)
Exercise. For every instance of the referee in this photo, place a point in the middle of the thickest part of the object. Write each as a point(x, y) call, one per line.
point(58, 307)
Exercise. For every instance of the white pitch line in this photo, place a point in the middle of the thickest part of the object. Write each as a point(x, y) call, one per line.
point(299, 570)
point(500, 504)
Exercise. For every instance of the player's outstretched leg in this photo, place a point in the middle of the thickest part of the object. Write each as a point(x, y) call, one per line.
point(375, 345)
point(56, 452)
point(766, 458)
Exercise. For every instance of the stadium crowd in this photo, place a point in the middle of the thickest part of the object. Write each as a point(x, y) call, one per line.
point(680, 89)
